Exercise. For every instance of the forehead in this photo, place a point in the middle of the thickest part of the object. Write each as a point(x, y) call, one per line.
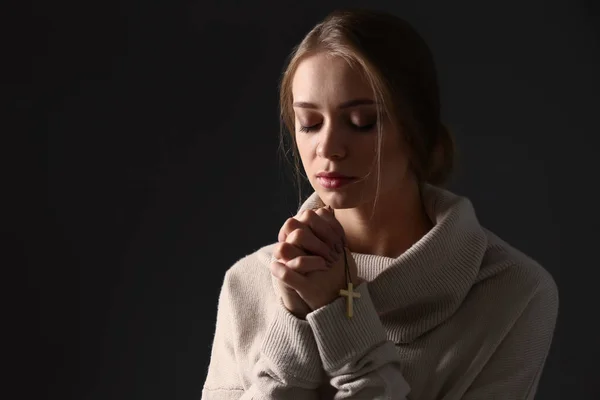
point(327, 79)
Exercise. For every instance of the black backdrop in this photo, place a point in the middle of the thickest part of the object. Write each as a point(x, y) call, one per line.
point(149, 166)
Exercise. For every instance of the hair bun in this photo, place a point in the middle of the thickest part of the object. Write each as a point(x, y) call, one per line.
point(441, 162)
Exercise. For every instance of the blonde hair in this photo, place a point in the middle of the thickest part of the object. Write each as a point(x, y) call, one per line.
point(399, 67)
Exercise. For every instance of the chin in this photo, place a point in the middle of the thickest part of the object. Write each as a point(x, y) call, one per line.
point(340, 199)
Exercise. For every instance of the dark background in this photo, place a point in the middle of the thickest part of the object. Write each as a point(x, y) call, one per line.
point(149, 165)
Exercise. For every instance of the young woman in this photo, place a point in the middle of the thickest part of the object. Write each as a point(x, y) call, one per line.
point(384, 285)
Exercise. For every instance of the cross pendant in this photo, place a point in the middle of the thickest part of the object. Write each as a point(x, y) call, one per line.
point(350, 296)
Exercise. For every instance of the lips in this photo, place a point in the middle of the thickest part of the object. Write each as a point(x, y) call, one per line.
point(334, 182)
point(333, 175)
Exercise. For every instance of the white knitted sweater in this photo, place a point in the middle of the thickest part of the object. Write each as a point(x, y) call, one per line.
point(459, 315)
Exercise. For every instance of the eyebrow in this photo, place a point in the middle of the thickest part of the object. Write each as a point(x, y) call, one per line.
point(346, 104)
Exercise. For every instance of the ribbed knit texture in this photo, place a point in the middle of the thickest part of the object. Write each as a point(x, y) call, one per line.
point(459, 315)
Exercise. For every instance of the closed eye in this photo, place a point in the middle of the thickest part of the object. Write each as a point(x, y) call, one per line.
point(307, 129)
point(363, 128)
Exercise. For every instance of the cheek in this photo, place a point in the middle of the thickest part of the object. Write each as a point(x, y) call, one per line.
point(364, 145)
point(302, 146)
point(305, 149)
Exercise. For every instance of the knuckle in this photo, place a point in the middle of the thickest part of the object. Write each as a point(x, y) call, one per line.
point(278, 250)
point(274, 269)
point(284, 230)
point(288, 224)
point(301, 262)
point(284, 247)
point(308, 212)
point(294, 264)
point(284, 275)
point(286, 250)
point(296, 235)
point(309, 215)
point(320, 211)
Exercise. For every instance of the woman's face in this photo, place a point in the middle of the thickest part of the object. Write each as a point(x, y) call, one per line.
point(335, 119)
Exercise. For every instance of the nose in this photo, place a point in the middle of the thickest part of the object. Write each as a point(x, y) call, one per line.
point(332, 143)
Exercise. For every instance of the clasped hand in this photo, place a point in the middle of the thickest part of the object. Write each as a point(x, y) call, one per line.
point(310, 265)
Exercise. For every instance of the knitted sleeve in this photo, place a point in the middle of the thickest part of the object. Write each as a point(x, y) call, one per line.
point(288, 367)
point(355, 352)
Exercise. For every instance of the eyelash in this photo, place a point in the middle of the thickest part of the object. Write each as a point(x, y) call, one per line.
point(364, 128)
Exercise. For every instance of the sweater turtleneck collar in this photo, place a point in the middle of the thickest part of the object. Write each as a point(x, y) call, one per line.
point(426, 284)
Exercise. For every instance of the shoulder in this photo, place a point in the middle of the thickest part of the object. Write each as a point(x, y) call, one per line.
point(246, 305)
point(251, 268)
point(248, 282)
point(516, 278)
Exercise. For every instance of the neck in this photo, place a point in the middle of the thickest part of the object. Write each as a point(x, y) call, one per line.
point(397, 221)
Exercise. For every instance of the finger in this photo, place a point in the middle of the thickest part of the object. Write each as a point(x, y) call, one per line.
point(286, 251)
point(290, 225)
point(334, 226)
point(288, 276)
point(321, 227)
point(307, 241)
point(305, 264)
